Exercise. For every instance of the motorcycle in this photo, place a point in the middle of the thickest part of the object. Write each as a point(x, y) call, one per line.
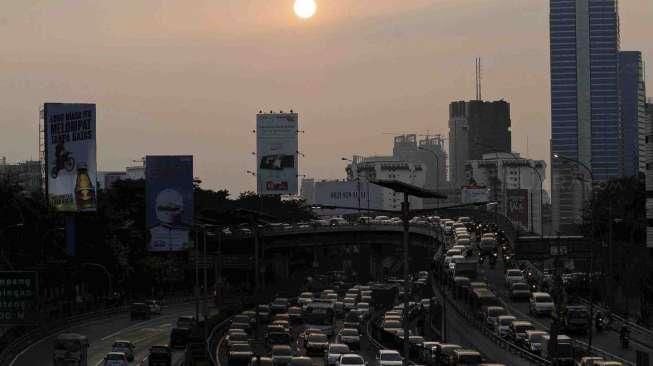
point(599, 322)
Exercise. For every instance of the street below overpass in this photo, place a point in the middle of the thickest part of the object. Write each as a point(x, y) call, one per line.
point(607, 341)
point(461, 332)
point(102, 333)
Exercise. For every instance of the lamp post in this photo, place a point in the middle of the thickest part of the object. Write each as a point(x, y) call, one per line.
point(591, 269)
point(406, 189)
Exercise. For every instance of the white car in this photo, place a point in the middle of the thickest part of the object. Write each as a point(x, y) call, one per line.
point(125, 347)
point(388, 357)
point(305, 298)
point(115, 359)
point(351, 359)
point(334, 352)
point(514, 275)
point(541, 303)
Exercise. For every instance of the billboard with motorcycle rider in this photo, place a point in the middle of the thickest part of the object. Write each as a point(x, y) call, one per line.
point(70, 156)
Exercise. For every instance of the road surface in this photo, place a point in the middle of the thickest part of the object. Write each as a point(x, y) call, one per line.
point(102, 333)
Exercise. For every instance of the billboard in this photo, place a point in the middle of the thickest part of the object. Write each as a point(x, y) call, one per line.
point(169, 202)
point(347, 194)
point(18, 298)
point(69, 130)
point(474, 195)
point(517, 206)
point(276, 152)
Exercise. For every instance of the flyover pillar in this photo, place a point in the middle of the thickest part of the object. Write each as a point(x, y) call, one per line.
point(376, 263)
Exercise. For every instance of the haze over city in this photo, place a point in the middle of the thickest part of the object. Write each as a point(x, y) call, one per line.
point(169, 77)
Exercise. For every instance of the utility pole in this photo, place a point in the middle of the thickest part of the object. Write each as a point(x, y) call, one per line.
point(405, 216)
point(205, 265)
point(197, 278)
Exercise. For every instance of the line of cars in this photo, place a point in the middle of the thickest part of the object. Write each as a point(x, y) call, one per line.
point(296, 329)
point(420, 349)
point(484, 304)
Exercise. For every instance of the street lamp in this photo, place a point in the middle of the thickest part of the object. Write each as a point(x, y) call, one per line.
point(406, 189)
point(591, 269)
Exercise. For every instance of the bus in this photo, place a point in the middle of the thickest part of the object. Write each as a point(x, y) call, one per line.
point(320, 314)
point(70, 349)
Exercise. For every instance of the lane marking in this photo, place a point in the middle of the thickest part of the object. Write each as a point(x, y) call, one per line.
point(138, 325)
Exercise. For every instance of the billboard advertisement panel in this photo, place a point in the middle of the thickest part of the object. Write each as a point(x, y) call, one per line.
point(474, 195)
point(169, 202)
point(71, 171)
point(276, 151)
point(18, 298)
point(517, 206)
point(348, 194)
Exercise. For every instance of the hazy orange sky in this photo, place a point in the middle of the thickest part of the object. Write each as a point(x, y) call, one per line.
point(187, 77)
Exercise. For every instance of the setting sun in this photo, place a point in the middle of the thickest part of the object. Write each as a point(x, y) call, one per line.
point(305, 8)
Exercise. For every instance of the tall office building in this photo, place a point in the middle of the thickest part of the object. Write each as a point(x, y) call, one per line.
point(584, 41)
point(476, 128)
point(648, 165)
point(633, 111)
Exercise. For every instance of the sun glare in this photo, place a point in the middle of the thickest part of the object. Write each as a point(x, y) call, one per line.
point(305, 8)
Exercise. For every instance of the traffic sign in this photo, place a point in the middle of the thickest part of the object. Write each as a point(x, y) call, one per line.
point(18, 297)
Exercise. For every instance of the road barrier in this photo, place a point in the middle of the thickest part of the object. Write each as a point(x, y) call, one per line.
point(508, 346)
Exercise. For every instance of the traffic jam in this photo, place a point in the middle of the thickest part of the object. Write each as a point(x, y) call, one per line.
point(515, 308)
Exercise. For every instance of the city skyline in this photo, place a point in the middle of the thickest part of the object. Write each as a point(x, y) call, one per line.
point(187, 81)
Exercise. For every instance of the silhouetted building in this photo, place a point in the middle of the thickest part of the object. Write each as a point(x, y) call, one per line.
point(476, 128)
point(26, 174)
point(584, 46)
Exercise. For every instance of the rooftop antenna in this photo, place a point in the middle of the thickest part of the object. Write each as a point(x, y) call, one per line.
point(479, 79)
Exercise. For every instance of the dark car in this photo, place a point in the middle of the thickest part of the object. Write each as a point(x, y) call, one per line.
point(240, 354)
point(179, 337)
point(316, 344)
point(160, 356)
point(140, 310)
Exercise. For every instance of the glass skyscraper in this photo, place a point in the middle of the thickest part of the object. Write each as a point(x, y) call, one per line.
point(584, 45)
point(633, 111)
